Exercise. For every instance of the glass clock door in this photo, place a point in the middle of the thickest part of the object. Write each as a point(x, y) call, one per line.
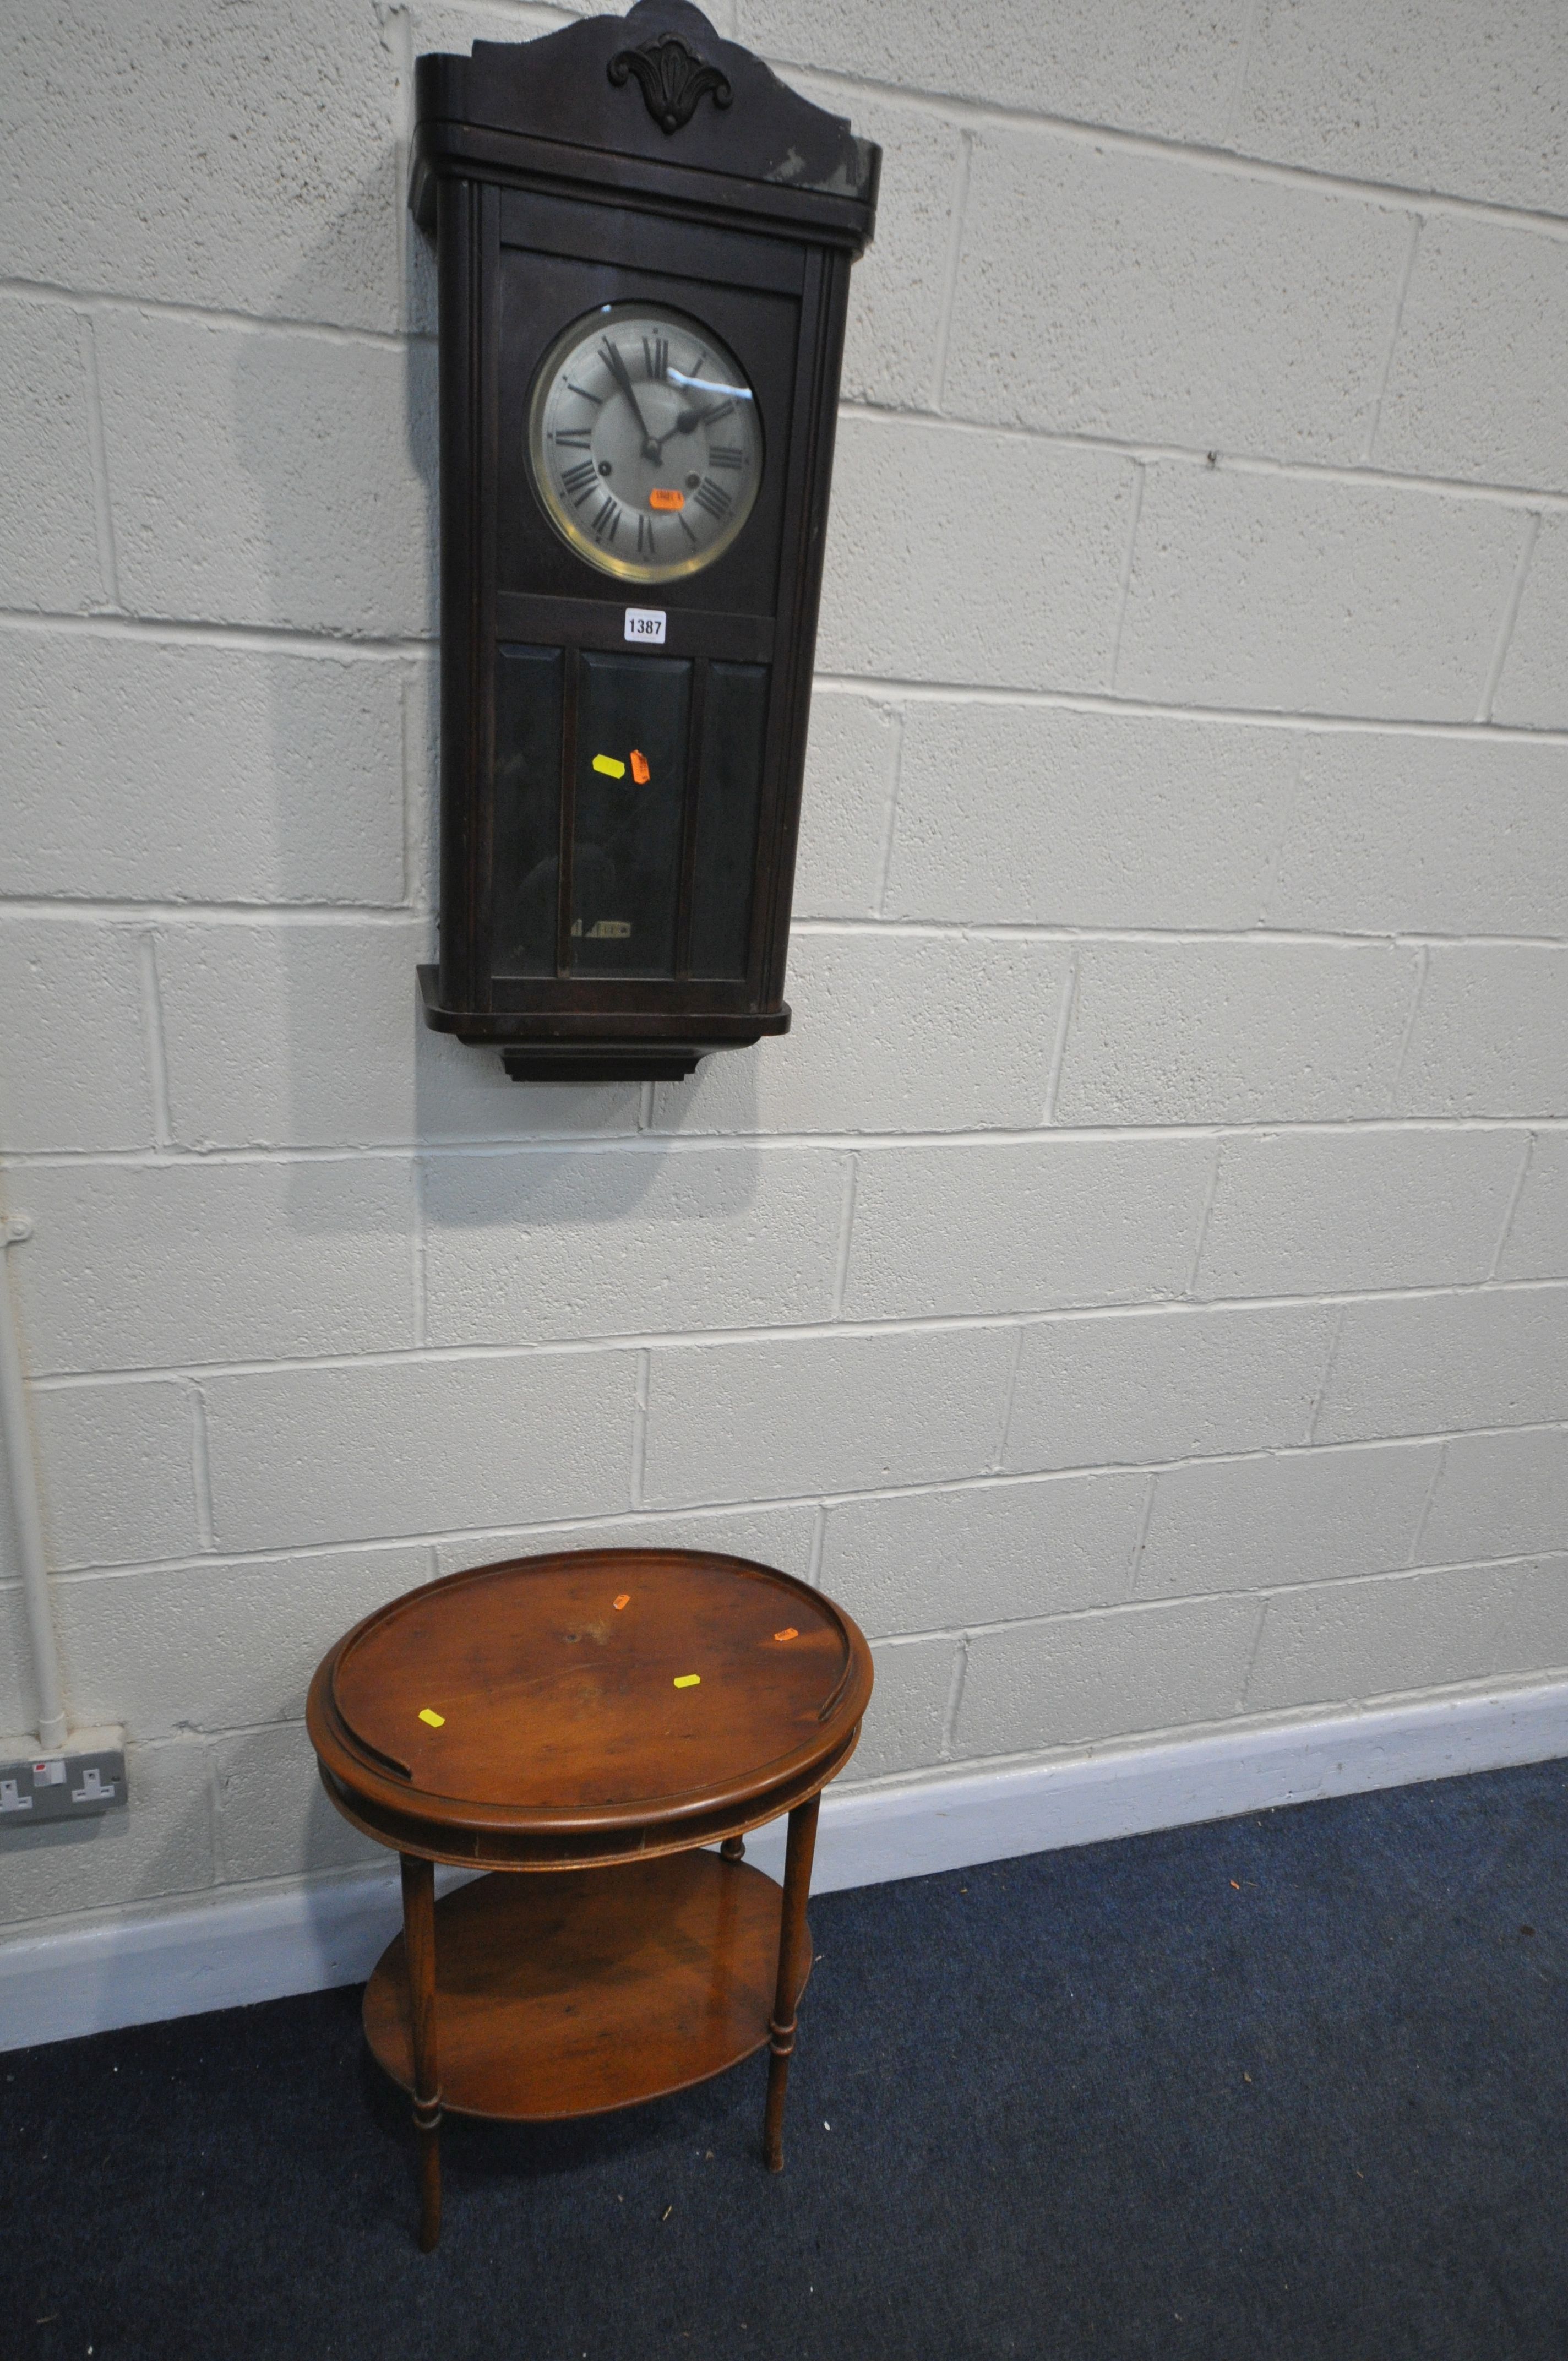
point(632, 729)
point(657, 762)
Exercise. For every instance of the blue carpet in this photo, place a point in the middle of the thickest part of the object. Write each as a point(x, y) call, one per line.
point(1295, 2085)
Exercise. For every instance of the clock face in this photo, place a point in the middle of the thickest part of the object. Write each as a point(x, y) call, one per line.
point(643, 443)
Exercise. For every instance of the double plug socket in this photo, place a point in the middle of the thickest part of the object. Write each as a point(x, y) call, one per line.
point(85, 1777)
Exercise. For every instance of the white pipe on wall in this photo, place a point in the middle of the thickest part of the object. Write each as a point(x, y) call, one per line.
point(23, 1471)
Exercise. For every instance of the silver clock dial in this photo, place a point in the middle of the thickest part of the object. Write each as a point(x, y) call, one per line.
point(643, 443)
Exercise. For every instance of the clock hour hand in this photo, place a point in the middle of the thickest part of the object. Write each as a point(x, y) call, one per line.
point(686, 423)
point(622, 377)
point(690, 420)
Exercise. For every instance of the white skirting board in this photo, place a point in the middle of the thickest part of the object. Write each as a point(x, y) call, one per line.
point(87, 1975)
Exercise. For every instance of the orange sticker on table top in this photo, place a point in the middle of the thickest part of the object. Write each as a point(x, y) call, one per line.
point(639, 770)
point(669, 501)
point(624, 1600)
point(789, 1633)
point(437, 1720)
point(688, 1680)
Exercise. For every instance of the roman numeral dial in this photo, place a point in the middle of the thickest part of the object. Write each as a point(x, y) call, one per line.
point(644, 445)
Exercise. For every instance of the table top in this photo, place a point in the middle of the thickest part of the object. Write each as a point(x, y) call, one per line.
point(587, 1705)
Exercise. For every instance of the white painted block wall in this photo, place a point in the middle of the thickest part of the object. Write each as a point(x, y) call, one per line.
point(1138, 1288)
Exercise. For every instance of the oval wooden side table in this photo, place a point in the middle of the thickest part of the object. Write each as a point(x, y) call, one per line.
point(595, 1718)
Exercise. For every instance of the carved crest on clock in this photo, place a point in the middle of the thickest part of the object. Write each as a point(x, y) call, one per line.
point(673, 77)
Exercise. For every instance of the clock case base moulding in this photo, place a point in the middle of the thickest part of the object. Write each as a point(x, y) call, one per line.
point(581, 1054)
point(578, 153)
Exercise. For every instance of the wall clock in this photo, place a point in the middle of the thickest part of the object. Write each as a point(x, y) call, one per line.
point(644, 247)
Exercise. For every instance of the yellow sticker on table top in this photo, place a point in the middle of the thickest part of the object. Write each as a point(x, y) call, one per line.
point(610, 767)
point(437, 1720)
point(789, 1633)
point(624, 1600)
point(688, 1680)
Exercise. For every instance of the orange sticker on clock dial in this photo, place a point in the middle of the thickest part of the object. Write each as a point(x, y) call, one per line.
point(668, 501)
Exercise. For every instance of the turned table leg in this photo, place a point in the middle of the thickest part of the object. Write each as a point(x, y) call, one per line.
point(733, 1849)
point(792, 1938)
point(418, 1949)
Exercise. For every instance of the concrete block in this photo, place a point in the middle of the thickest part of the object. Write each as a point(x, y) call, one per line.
point(1396, 1632)
point(899, 285)
point(272, 1817)
point(850, 771)
point(216, 1645)
point(1036, 815)
point(1534, 1638)
point(1230, 1032)
point(115, 1473)
point(891, 1033)
point(163, 1844)
point(177, 773)
point(1134, 65)
point(1491, 1034)
point(1530, 693)
point(336, 1050)
point(284, 201)
point(1310, 1212)
point(1537, 1243)
point(1475, 389)
point(373, 1450)
point(1010, 1229)
point(1498, 1495)
point(528, 1247)
point(327, 1016)
point(1102, 1677)
point(982, 1552)
point(1389, 832)
point(810, 1414)
point(326, 1013)
point(143, 1266)
point(1297, 595)
point(1421, 93)
point(1146, 299)
point(1435, 1363)
point(271, 476)
point(73, 1065)
point(1307, 1516)
point(1025, 596)
point(1131, 1388)
point(782, 1537)
point(904, 1723)
point(49, 528)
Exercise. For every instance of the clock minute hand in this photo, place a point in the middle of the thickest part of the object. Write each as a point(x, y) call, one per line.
point(622, 377)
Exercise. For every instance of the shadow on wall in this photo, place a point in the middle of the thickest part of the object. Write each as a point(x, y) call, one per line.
point(316, 1021)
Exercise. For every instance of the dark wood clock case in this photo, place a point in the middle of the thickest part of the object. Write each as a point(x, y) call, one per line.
point(636, 159)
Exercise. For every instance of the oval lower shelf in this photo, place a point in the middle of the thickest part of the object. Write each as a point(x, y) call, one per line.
point(570, 1993)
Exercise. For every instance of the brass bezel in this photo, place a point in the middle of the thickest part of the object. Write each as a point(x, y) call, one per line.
point(581, 544)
